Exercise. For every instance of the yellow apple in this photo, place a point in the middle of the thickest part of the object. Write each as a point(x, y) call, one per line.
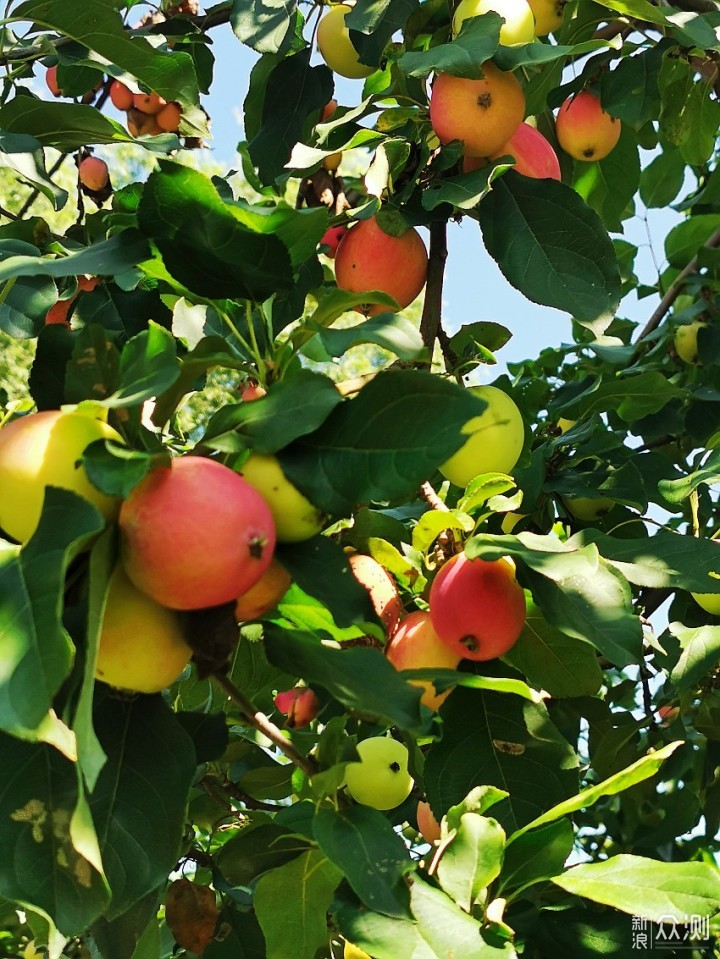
point(45, 449)
point(296, 518)
point(335, 46)
point(141, 643)
point(564, 424)
point(548, 15)
point(519, 26)
point(381, 778)
point(587, 509)
point(685, 342)
point(710, 602)
point(496, 439)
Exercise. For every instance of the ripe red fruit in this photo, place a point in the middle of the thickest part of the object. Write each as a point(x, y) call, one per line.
point(58, 314)
point(370, 259)
point(328, 110)
point(94, 174)
point(331, 238)
point(416, 645)
point(533, 155)
point(251, 390)
point(120, 96)
point(477, 607)
point(150, 103)
point(168, 119)
point(584, 130)
point(195, 534)
point(300, 705)
point(51, 81)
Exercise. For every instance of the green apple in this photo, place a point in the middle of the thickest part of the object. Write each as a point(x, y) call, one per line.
point(710, 602)
point(496, 439)
point(685, 342)
point(587, 509)
point(519, 26)
point(381, 778)
point(296, 519)
point(45, 449)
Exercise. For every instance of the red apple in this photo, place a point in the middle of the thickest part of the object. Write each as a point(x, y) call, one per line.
point(195, 534)
point(416, 645)
point(93, 173)
point(300, 705)
point(477, 607)
point(584, 130)
point(51, 81)
point(120, 96)
point(331, 238)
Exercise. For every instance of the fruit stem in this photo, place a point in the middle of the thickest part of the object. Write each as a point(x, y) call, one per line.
point(264, 725)
point(432, 307)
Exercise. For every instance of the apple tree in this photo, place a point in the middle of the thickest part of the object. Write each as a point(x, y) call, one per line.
point(409, 660)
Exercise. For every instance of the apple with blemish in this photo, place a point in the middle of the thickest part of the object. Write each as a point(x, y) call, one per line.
point(583, 128)
point(381, 778)
point(381, 587)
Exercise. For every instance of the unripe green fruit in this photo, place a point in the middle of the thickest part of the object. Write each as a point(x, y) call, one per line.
point(710, 602)
point(45, 449)
point(587, 509)
point(381, 778)
point(335, 46)
point(296, 519)
point(496, 439)
point(686, 341)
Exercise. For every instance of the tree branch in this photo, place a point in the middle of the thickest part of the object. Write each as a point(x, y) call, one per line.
point(432, 308)
point(432, 498)
point(671, 294)
point(264, 725)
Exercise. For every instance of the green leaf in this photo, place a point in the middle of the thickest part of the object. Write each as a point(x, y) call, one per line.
point(110, 257)
point(472, 859)
point(609, 185)
point(465, 191)
point(50, 857)
point(384, 444)
point(305, 887)
point(463, 57)
point(552, 247)
point(564, 666)
point(637, 772)
point(37, 653)
point(675, 491)
point(372, 24)
point(574, 588)
point(148, 366)
point(257, 850)
point(646, 887)
point(203, 242)
point(634, 397)
point(97, 24)
point(700, 653)
point(360, 678)
point(503, 741)
point(684, 241)
point(265, 25)
point(536, 856)
point(24, 156)
point(293, 92)
point(689, 116)
point(630, 90)
point(321, 569)
point(27, 300)
point(64, 126)
point(362, 843)
point(433, 522)
point(392, 332)
point(291, 408)
point(662, 179)
point(140, 829)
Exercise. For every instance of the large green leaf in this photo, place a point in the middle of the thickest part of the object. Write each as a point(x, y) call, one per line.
point(363, 844)
point(97, 24)
point(636, 773)
point(304, 886)
point(633, 396)
point(139, 800)
point(552, 247)
point(265, 25)
point(372, 24)
point(646, 887)
point(564, 666)
point(24, 156)
point(609, 185)
point(360, 678)
point(50, 859)
point(64, 126)
point(472, 859)
point(205, 245)
point(26, 301)
point(37, 653)
point(675, 491)
point(120, 253)
point(383, 444)
point(256, 850)
point(463, 57)
point(536, 856)
point(491, 739)
point(292, 408)
point(574, 588)
point(392, 332)
point(700, 653)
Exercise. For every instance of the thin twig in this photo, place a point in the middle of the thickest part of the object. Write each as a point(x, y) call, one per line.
point(432, 307)
point(264, 725)
point(672, 293)
point(8, 214)
point(432, 498)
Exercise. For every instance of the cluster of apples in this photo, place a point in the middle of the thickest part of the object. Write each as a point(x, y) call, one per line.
point(192, 507)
